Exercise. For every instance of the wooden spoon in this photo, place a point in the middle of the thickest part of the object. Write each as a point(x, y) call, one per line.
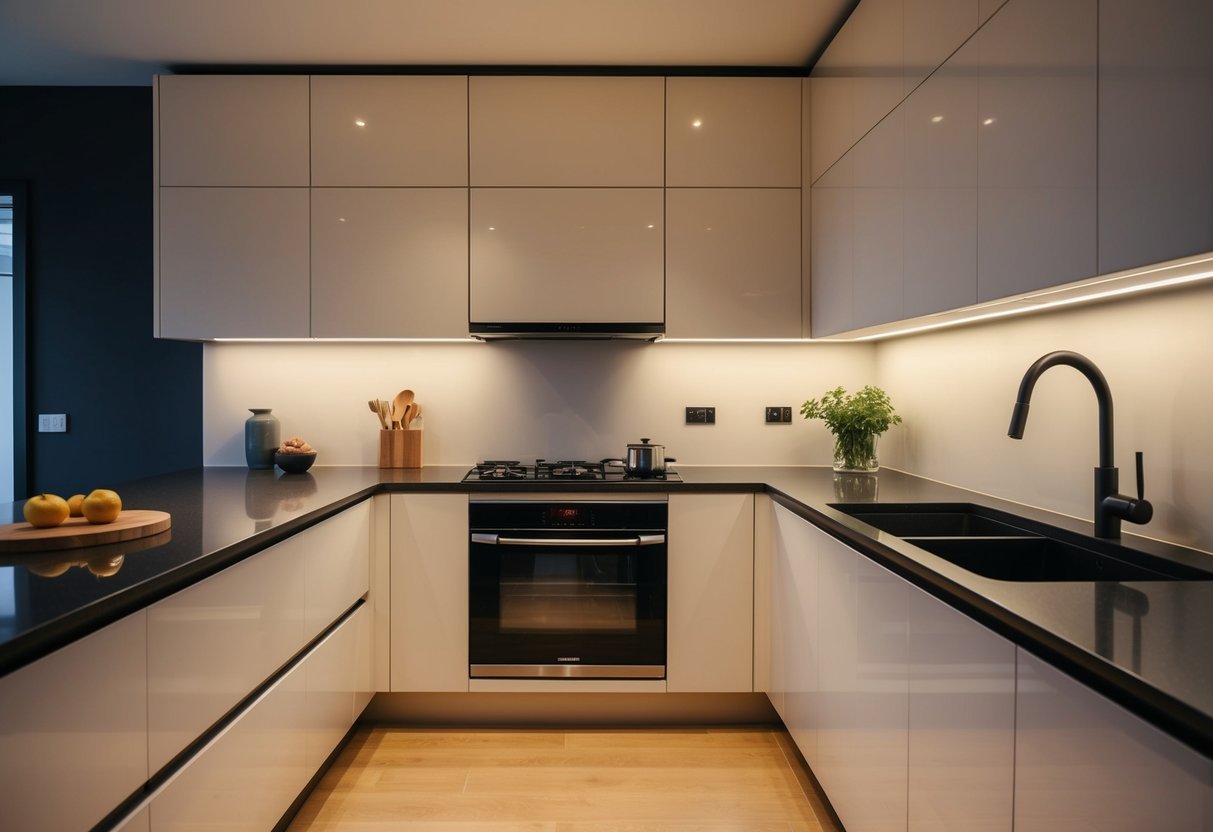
point(399, 407)
point(413, 414)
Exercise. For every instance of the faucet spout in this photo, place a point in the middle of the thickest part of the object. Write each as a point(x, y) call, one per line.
point(1103, 395)
point(1110, 506)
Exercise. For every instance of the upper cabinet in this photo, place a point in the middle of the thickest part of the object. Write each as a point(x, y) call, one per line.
point(1036, 147)
point(1155, 131)
point(548, 131)
point(389, 131)
point(233, 130)
point(733, 262)
point(567, 255)
point(733, 132)
point(981, 184)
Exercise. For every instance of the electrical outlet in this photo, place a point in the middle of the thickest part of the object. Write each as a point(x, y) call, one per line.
point(52, 423)
point(701, 415)
point(778, 415)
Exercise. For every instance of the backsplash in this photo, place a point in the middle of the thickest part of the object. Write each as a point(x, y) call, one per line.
point(526, 399)
point(956, 389)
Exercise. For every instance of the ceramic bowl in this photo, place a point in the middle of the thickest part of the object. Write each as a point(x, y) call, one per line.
point(294, 463)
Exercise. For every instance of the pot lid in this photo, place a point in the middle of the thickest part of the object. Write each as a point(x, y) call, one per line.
point(644, 442)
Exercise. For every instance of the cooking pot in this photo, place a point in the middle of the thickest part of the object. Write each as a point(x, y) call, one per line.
point(645, 459)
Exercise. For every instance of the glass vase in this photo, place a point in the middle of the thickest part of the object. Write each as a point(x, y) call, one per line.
point(260, 438)
point(856, 453)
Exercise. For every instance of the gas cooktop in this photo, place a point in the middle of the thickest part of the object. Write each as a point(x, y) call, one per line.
point(564, 470)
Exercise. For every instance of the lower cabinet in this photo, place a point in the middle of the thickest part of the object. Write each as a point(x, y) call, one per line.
point(710, 640)
point(73, 731)
point(253, 770)
point(429, 591)
point(903, 707)
point(1083, 762)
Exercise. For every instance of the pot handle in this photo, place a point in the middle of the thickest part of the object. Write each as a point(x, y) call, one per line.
point(670, 459)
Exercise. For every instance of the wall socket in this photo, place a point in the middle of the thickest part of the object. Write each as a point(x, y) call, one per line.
point(778, 415)
point(52, 423)
point(701, 415)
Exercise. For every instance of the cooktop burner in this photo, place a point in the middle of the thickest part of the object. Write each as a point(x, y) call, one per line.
point(579, 470)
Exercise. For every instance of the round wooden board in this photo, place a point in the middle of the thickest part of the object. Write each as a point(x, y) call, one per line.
point(76, 531)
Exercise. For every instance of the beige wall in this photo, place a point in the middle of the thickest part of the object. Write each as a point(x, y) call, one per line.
point(956, 389)
point(523, 400)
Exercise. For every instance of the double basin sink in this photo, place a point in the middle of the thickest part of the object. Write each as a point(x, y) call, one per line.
point(1005, 547)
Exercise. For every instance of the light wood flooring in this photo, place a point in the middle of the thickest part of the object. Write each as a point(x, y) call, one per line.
point(623, 780)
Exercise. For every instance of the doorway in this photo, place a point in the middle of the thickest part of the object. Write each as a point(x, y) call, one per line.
point(13, 480)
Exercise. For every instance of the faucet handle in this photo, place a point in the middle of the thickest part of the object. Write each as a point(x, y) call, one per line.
point(1141, 477)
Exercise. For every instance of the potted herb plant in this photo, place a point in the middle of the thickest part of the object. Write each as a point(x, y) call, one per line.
point(856, 421)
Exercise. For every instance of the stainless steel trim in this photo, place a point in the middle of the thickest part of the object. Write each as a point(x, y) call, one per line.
point(566, 671)
point(639, 540)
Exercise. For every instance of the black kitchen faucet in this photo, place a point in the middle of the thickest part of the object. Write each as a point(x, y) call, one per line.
point(1110, 506)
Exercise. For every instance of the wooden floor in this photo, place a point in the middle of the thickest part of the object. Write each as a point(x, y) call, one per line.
point(657, 780)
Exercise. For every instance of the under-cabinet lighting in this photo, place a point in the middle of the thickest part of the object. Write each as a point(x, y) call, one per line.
point(1120, 284)
point(468, 340)
point(734, 341)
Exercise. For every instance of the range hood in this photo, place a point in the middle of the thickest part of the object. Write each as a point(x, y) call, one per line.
point(543, 330)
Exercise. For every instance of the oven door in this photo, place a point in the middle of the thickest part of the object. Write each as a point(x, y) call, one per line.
point(577, 603)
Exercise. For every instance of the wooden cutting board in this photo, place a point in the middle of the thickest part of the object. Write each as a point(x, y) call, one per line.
point(76, 531)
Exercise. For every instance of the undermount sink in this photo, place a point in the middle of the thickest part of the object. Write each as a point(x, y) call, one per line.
point(1005, 547)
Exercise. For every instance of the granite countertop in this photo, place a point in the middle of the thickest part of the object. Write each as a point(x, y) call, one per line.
point(1155, 665)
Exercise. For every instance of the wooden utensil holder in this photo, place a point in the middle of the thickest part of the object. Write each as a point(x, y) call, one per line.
point(400, 448)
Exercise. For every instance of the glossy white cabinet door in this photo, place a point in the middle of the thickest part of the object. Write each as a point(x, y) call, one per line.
point(566, 131)
point(796, 639)
point(1155, 131)
point(710, 635)
point(389, 130)
point(932, 30)
point(864, 689)
point(430, 592)
point(733, 262)
point(233, 263)
point(330, 678)
point(567, 255)
point(733, 132)
point(389, 263)
point(857, 81)
point(832, 250)
point(73, 730)
point(1083, 762)
point(940, 208)
point(962, 721)
point(879, 200)
point(248, 777)
point(364, 669)
point(1036, 146)
point(210, 645)
point(338, 568)
point(233, 130)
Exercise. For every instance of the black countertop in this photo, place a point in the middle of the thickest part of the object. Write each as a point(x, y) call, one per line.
point(1157, 669)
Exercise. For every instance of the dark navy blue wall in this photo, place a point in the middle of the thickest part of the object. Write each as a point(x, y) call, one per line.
point(134, 403)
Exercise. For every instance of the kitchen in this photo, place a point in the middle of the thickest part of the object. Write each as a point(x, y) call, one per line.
point(529, 399)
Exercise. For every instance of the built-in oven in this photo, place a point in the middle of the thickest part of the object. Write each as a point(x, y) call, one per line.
point(567, 588)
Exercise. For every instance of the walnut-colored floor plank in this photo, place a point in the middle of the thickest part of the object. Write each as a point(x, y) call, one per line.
point(646, 780)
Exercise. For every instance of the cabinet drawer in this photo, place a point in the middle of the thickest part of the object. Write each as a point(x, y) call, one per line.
point(332, 676)
point(338, 555)
point(211, 644)
point(248, 776)
point(73, 731)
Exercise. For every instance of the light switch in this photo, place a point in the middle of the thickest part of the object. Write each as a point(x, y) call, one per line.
point(52, 423)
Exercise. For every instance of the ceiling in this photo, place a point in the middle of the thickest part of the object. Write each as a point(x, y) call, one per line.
point(125, 42)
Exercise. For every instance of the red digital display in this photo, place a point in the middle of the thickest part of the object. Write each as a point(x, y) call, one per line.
point(564, 516)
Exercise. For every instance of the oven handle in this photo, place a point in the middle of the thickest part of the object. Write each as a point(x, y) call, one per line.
point(639, 540)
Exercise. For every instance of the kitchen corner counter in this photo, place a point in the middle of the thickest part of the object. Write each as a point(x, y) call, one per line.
point(1155, 664)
